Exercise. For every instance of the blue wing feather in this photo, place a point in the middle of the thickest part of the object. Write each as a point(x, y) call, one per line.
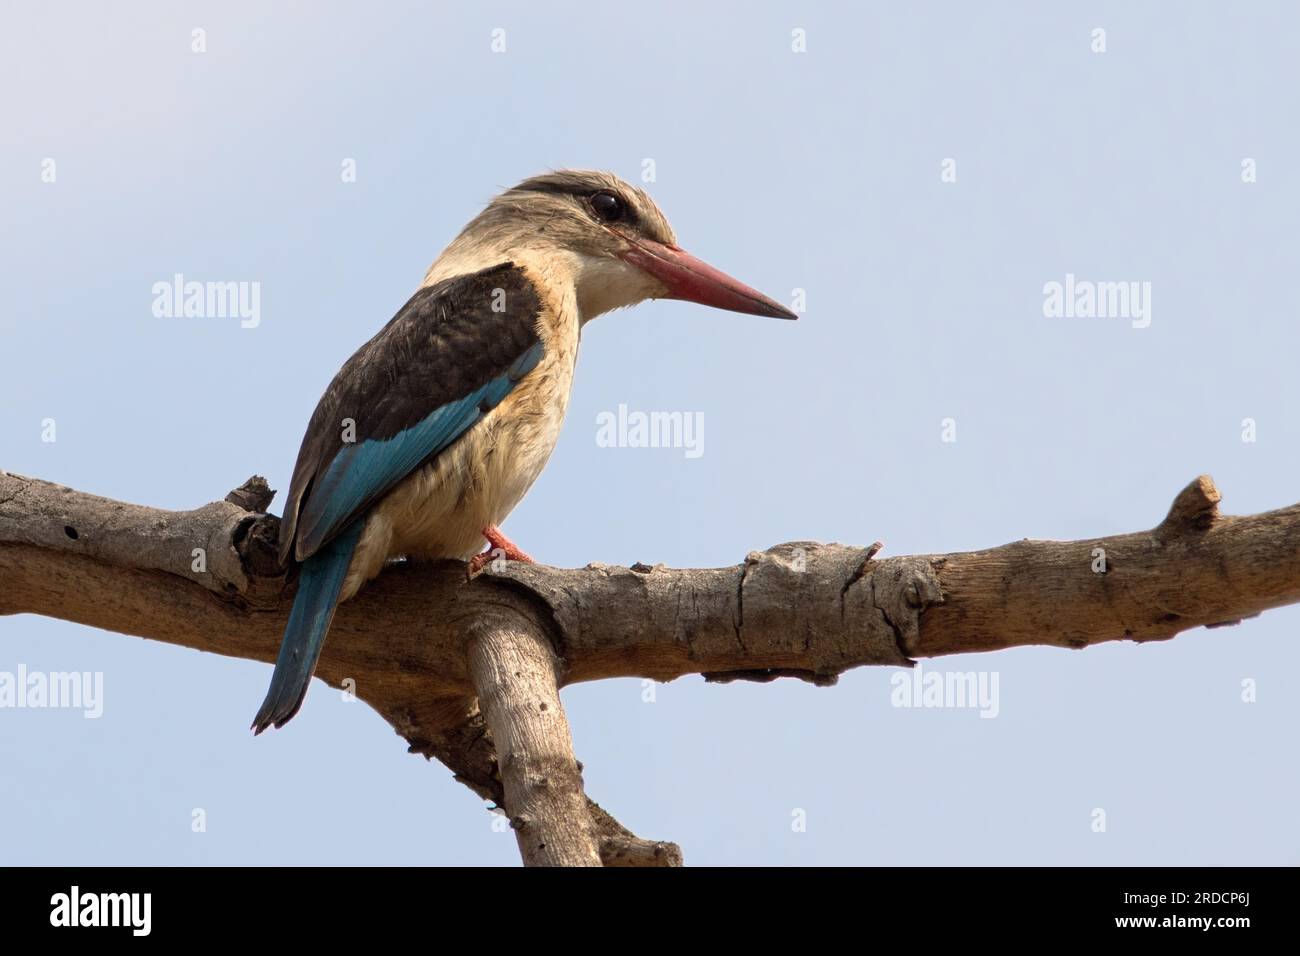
point(322, 578)
point(361, 473)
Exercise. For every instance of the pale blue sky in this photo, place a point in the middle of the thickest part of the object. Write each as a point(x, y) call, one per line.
point(819, 171)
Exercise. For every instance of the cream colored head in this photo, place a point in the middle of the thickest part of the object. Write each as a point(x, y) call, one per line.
point(605, 235)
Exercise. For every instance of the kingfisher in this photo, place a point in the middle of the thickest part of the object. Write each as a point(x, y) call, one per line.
point(433, 431)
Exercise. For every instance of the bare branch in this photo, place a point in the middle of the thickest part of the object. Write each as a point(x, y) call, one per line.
point(135, 584)
point(468, 751)
point(801, 610)
point(517, 677)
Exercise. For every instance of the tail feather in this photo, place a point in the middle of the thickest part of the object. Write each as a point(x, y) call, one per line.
point(319, 585)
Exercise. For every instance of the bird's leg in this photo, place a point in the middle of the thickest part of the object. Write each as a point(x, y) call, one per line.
point(499, 546)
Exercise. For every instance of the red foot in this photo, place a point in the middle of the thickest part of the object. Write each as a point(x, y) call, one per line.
point(499, 546)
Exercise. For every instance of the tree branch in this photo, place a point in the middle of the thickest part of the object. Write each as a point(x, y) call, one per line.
point(517, 678)
point(801, 610)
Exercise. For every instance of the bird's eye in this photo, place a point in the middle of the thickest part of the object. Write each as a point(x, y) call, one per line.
point(607, 206)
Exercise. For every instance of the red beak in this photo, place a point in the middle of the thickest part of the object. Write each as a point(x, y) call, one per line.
point(694, 280)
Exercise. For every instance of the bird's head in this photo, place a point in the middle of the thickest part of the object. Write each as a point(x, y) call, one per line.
point(611, 238)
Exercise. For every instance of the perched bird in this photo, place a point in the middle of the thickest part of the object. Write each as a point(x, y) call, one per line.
point(433, 431)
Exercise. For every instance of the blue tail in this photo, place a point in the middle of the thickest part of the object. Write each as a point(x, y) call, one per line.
point(309, 621)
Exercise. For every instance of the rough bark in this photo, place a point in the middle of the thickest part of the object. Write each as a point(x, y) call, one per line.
point(802, 609)
point(516, 674)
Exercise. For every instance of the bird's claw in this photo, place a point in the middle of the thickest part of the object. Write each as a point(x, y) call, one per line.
point(500, 548)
